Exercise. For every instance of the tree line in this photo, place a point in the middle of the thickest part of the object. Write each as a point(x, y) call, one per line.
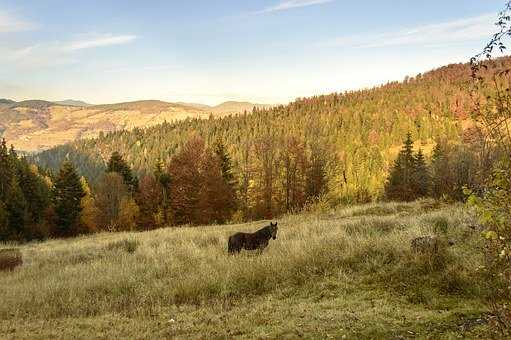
point(197, 186)
point(452, 169)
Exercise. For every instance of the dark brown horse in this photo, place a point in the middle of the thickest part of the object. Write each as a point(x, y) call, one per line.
point(252, 241)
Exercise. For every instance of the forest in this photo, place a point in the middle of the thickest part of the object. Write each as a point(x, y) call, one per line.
point(326, 150)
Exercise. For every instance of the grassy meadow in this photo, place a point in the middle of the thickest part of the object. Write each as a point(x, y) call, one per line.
point(346, 273)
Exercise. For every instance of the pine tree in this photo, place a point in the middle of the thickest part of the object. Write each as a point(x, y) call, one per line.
point(67, 198)
point(119, 165)
point(399, 186)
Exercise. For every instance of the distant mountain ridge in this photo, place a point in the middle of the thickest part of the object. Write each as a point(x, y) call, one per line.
point(229, 106)
point(34, 125)
point(72, 102)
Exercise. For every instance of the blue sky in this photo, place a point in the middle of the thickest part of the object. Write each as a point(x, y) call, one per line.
point(268, 51)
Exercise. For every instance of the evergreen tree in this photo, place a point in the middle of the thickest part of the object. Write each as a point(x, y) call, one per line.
point(68, 194)
point(16, 210)
point(422, 178)
point(399, 186)
point(6, 171)
point(35, 191)
point(442, 174)
point(230, 183)
point(225, 164)
point(119, 165)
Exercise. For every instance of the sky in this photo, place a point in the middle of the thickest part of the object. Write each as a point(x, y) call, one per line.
point(211, 51)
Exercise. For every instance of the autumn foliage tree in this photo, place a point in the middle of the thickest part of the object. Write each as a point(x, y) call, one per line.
point(199, 192)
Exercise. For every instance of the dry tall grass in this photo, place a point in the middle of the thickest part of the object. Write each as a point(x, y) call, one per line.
point(139, 273)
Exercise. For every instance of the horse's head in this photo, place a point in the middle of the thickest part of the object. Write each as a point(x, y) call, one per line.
point(273, 230)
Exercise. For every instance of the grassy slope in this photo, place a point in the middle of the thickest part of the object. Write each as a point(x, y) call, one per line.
point(346, 272)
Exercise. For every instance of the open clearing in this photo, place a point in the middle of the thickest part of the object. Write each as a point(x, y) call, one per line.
point(343, 273)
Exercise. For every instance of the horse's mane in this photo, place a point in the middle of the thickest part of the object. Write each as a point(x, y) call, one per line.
point(264, 231)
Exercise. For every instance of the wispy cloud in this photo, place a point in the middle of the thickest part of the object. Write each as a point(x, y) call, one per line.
point(55, 53)
point(10, 23)
point(290, 4)
point(100, 41)
point(456, 31)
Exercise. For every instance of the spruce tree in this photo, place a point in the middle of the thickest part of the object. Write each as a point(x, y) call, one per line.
point(225, 163)
point(119, 165)
point(16, 210)
point(68, 193)
point(35, 190)
point(399, 186)
point(228, 177)
point(422, 178)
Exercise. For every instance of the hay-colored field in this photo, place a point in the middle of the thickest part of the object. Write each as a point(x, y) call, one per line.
point(345, 273)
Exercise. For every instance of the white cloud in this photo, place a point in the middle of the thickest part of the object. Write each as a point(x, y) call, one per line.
point(290, 4)
point(100, 41)
point(456, 31)
point(10, 23)
point(55, 53)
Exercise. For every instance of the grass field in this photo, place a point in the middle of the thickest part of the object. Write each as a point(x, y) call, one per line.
point(347, 273)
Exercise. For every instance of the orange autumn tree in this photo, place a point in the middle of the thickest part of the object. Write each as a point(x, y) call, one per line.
point(199, 194)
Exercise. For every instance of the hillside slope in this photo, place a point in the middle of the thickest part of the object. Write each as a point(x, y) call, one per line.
point(35, 125)
point(346, 273)
point(356, 134)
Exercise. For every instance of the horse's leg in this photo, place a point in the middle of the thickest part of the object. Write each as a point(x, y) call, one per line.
point(261, 247)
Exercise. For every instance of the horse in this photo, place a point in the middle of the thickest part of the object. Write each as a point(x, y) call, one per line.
point(252, 241)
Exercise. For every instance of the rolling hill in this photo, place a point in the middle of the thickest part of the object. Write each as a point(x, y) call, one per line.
point(35, 125)
point(356, 134)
